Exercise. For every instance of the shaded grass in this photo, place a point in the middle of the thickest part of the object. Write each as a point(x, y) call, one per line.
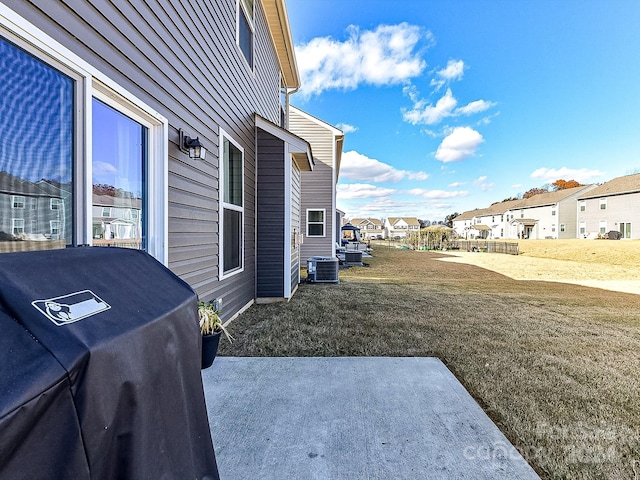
point(554, 365)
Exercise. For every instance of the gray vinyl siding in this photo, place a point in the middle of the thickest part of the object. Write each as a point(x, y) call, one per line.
point(567, 216)
point(317, 185)
point(271, 229)
point(620, 208)
point(295, 226)
point(180, 57)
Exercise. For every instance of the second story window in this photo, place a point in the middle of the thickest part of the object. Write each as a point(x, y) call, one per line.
point(17, 201)
point(245, 29)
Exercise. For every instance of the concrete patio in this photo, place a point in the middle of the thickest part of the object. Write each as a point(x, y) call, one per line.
point(351, 418)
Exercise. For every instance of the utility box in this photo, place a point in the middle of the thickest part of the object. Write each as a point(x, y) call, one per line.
point(353, 258)
point(322, 270)
point(100, 377)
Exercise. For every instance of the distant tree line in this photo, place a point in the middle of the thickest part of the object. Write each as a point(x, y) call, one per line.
point(110, 190)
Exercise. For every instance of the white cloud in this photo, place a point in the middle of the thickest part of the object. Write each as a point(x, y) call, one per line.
point(430, 114)
point(474, 107)
point(384, 56)
point(453, 71)
point(355, 166)
point(461, 143)
point(346, 128)
point(579, 174)
point(482, 183)
point(438, 194)
point(456, 184)
point(100, 168)
point(361, 190)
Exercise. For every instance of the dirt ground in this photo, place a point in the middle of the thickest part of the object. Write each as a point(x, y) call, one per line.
point(607, 264)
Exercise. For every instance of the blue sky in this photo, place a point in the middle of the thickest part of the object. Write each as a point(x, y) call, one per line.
point(452, 105)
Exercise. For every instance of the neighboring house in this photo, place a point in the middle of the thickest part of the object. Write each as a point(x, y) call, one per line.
point(117, 221)
point(318, 186)
point(281, 158)
point(546, 215)
point(462, 223)
point(400, 226)
point(109, 93)
point(475, 224)
point(370, 228)
point(614, 205)
point(33, 211)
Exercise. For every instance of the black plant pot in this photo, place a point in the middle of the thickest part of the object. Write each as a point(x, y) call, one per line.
point(209, 349)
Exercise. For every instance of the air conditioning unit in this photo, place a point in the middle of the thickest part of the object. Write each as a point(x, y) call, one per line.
point(322, 270)
point(353, 258)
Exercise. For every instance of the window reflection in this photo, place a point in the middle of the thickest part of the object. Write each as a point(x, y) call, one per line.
point(119, 153)
point(36, 145)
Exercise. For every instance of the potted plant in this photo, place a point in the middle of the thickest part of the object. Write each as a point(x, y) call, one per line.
point(211, 328)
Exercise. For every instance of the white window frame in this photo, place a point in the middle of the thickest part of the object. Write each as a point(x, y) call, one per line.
point(56, 227)
point(18, 201)
point(603, 204)
point(90, 82)
point(324, 222)
point(54, 203)
point(14, 225)
point(583, 206)
point(222, 136)
point(251, 20)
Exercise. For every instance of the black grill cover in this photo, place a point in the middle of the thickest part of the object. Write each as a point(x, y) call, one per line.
point(100, 368)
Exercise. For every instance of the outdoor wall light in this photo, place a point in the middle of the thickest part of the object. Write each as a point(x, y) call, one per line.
point(196, 150)
point(193, 146)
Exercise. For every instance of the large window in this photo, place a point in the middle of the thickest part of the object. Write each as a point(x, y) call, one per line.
point(119, 160)
point(36, 150)
point(245, 29)
point(625, 229)
point(72, 143)
point(315, 222)
point(232, 196)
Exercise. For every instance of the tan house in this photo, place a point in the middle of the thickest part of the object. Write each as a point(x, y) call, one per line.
point(614, 205)
point(370, 228)
point(318, 187)
point(400, 226)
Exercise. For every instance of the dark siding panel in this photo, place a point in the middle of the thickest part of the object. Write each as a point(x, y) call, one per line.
point(180, 57)
point(271, 228)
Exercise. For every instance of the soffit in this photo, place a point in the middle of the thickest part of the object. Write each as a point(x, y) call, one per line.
point(278, 22)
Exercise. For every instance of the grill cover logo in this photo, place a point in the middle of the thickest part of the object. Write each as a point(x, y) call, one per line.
point(72, 307)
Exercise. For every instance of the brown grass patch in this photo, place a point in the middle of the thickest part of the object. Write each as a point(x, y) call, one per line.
point(607, 264)
point(554, 365)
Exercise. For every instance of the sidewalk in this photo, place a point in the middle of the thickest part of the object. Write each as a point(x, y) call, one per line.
point(351, 418)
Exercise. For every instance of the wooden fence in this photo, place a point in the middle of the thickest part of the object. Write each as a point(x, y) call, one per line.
point(510, 248)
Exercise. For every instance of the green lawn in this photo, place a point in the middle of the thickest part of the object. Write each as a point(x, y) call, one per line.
point(556, 366)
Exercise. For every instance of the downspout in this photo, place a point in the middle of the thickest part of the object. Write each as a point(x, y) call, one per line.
point(287, 93)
